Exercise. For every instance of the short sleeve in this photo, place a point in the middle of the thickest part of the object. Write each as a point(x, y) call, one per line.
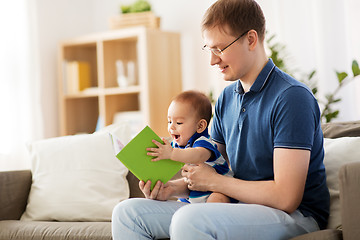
point(206, 143)
point(296, 117)
point(216, 128)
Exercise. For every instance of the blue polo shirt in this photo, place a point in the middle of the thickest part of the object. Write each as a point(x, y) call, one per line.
point(277, 112)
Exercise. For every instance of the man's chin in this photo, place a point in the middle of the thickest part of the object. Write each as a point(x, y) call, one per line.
point(228, 79)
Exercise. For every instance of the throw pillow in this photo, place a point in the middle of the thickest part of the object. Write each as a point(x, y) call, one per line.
point(75, 178)
point(338, 152)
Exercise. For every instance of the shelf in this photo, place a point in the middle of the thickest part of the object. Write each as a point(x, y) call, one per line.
point(120, 103)
point(119, 50)
point(81, 114)
point(89, 92)
point(150, 57)
point(117, 91)
point(85, 53)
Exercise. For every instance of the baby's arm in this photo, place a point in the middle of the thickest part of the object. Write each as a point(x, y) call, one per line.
point(188, 155)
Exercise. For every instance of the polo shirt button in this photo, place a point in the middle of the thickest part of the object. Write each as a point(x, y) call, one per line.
point(243, 109)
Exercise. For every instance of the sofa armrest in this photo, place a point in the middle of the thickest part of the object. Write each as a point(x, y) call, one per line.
point(349, 185)
point(135, 191)
point(14, 192)
point(327, 234)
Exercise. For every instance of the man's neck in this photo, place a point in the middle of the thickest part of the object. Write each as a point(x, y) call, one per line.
point(250, 78)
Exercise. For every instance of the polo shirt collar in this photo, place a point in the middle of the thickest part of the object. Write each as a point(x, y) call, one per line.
point(261, 80)
point(193, 138)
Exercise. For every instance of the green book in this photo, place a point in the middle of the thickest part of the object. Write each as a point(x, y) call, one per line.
point(134, 157)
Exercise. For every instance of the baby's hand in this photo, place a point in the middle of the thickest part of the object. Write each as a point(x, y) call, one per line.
point(163, 151)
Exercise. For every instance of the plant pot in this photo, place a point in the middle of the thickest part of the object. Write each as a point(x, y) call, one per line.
point(147, 19)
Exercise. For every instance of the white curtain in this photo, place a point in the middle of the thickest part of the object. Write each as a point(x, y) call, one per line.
point(320, 35)
point(20, 119)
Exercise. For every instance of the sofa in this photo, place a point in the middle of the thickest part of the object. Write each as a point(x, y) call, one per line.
point(348, 177)
point(14, 191)
point(15, 187)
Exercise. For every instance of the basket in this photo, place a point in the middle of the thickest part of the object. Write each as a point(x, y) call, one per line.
point(147, 19)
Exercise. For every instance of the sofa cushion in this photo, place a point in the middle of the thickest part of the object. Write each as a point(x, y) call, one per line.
point(75, 178)
point(341, 129)
point(55, 230)
point(338, 152)
point(328, 234)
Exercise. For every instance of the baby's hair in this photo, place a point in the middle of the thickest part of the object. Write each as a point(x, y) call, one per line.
point(199, 101)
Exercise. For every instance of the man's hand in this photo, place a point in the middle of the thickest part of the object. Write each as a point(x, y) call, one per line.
point(199, 177)
point(160, 191)
point(163, 151)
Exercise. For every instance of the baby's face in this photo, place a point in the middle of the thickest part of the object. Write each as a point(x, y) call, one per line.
point(182, 122)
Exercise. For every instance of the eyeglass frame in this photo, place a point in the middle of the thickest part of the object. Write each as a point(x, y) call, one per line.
point(218, 52)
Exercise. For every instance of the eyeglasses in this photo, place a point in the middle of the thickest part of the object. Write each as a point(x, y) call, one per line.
point(219, 52)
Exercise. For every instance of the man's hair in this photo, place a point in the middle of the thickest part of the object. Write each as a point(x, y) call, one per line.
point(238, 15)
point(199, 102)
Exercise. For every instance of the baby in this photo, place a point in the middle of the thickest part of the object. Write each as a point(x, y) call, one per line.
point(189, 115)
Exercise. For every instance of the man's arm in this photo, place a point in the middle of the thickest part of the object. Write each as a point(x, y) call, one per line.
point(284, 192)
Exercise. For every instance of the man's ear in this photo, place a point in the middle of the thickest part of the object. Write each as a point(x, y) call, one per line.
point(201, 126)
point(253, 39)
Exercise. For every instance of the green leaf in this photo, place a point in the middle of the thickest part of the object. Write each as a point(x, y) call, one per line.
point(341, 76)
point(336, 100)
point(140, 6)
point(271, 38)
point(314, 90)
point(329, 97)
point(311, 75)
point(355, 68)
point(125, 8)
point(331, 115)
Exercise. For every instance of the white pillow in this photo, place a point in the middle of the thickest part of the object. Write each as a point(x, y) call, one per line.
point(338, 152)
point(75, 178)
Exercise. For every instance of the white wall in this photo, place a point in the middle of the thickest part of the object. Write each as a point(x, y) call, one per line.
point(55, 21)
point(318, 35)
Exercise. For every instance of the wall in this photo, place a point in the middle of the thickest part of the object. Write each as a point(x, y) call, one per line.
point(55, 21)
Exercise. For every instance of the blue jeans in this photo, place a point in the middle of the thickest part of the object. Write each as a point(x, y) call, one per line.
point(149, 219)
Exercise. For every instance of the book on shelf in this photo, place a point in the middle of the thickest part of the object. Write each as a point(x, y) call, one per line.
point(134, 157)
point(76, 76)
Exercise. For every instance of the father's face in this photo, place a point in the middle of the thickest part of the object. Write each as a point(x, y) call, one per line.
point(232, 62)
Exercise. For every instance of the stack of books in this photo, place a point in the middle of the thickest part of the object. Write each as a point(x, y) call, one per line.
point(77, 76)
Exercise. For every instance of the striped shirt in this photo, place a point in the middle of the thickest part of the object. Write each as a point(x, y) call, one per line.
point(217, 161)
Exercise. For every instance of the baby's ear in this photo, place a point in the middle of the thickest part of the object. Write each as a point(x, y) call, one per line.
point(202, 125)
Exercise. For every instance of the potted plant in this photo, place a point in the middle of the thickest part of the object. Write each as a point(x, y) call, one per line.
point(137, 14)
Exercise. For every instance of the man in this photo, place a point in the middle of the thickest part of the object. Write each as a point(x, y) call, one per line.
point(267, 125)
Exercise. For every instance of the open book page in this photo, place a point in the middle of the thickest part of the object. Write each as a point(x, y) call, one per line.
point(116, 143)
